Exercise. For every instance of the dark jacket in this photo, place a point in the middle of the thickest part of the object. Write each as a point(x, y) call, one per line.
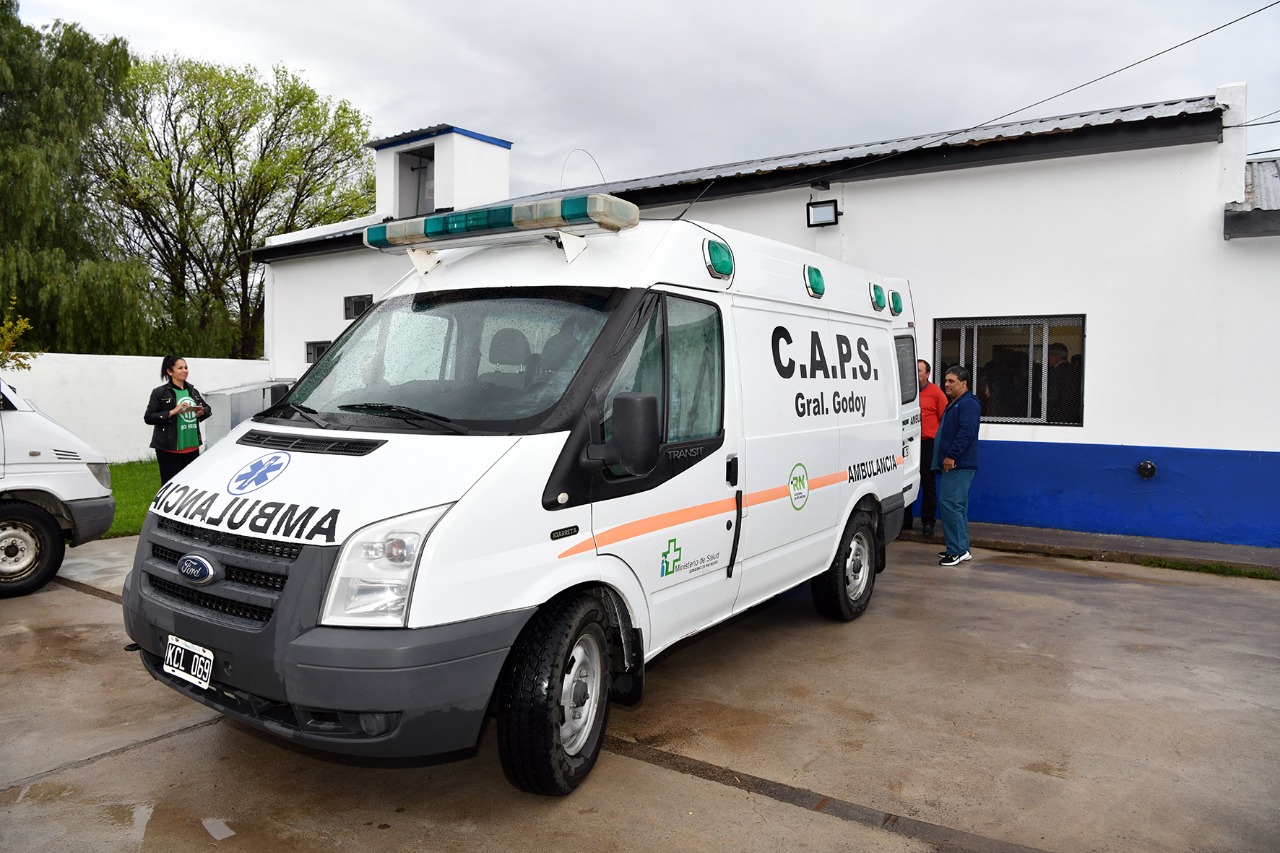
point(957, 436)
point(164, 433)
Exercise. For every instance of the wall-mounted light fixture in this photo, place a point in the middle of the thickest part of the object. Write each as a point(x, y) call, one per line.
point(821, 213)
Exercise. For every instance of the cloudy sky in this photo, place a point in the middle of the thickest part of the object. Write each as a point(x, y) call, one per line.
point(664, 85)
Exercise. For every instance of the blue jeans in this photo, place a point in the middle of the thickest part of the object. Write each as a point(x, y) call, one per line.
point(953, 501)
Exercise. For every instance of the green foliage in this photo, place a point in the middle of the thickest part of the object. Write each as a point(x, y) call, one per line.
point(1212, 568)
point(133, 485)
point(56, 86)
point(12, 328)
point(201, 164)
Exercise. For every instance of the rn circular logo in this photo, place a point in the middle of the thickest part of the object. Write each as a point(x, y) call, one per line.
point(258, 473)
point(799, 485)
point(195, 568)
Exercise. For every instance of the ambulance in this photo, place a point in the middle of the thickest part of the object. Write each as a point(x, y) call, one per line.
point(566, 440)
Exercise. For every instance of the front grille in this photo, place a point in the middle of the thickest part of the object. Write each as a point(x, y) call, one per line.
point(310, 444)
point(208, 601)
point(263, 580)
point(233, 541)
point(236, 574)
point(165, 555)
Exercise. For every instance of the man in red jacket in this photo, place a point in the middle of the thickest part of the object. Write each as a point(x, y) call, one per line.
point(932, 404)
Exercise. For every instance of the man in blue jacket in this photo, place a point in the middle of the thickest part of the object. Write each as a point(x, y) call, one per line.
point(955, 455)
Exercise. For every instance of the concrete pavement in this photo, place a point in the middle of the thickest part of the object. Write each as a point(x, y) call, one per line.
point(1111, 548)
point(1015, 702)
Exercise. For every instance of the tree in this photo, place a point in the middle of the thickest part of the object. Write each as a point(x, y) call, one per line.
point(56, 86)
point(201, 164)
point(12, 328)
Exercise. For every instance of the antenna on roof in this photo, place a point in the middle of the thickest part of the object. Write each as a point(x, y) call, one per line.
point(566, 163)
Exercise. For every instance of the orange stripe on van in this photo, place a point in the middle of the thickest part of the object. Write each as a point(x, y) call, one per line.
point(653, 523)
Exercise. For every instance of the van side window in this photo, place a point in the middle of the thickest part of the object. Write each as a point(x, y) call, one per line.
point(908, 378)
point(697, 370)
point(679, 359)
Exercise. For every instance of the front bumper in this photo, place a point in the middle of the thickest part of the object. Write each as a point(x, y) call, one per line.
point(90, 518)
point(358, 691)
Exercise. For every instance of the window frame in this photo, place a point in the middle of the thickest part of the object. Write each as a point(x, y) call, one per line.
point(1039, 334)
point(349, 305)
point(315, 350)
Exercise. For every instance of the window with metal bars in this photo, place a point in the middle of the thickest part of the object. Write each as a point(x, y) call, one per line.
point(354, 306)
point(315, 349)
point(1027, 370)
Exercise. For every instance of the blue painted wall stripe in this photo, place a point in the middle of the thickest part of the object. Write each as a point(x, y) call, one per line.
point(1228, 496)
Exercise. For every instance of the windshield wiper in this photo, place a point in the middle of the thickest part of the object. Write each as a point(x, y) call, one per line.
point(309, 414)
point(408, 412)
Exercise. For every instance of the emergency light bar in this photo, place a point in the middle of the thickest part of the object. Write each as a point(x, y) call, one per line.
point(583, 214)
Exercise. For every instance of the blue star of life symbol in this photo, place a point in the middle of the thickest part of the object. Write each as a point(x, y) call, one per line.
point(258, 473)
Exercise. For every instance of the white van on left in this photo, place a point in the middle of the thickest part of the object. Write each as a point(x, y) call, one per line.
point(54, 489)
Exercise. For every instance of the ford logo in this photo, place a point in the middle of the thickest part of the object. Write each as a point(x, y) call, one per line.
point(195, 569)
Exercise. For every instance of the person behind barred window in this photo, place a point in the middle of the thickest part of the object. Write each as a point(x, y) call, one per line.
point(1064, 387)
point(174, 412)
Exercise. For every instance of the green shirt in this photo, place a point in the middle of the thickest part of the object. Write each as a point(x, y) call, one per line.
point(188, 432)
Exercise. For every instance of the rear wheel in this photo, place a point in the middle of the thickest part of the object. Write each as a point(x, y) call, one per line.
point(554, 697)
point(843, 591)
point(31, 548)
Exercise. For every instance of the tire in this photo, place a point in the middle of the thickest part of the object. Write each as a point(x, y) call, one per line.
point(843, 591)
point(31, 548)
point(553, 700)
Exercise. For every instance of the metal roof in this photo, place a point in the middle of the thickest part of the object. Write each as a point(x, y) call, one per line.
point(966, 138)
point(941, 150)
point(1261, 185)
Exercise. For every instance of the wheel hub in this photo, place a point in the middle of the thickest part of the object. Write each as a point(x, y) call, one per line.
point(579, 694)
point(19, 552)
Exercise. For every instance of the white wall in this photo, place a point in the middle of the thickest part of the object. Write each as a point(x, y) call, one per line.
point(304, 300)
point(102, 398)
point(1177, 318)
point(481, 174)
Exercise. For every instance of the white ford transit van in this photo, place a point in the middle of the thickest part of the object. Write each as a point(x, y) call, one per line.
point(54, 489)
point(533, 465)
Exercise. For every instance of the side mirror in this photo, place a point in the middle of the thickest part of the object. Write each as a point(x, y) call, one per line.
point(635, 442)
point(277, 392)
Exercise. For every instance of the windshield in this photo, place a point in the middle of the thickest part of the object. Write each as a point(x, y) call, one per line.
point(432, 359)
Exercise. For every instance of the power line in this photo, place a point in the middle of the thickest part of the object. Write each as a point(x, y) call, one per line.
point(839, 172)
point(1131, 65)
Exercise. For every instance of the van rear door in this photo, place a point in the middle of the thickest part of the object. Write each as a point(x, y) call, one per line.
point(909, 394)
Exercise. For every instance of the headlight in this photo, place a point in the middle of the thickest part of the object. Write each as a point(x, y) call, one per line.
point(373, 578)
point(102, 473)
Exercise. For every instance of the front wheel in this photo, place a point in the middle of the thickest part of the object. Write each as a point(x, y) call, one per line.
point(554, 697)
point(843, 591)
point(31, 548)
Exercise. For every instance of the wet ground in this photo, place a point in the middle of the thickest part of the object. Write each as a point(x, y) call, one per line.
point(1014, 702)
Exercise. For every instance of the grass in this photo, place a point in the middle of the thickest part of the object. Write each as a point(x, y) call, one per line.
point(1208, 568)
point(133, 484)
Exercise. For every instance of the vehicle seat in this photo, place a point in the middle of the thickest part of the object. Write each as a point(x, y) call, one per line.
point(508, 349)
point(558, 348)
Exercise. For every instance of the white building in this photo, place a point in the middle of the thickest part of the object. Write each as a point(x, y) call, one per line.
point(1116, 233)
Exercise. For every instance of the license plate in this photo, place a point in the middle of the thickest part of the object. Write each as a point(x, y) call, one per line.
point(188, 661)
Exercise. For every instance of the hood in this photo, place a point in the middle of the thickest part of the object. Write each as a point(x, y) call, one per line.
point(317, 489)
